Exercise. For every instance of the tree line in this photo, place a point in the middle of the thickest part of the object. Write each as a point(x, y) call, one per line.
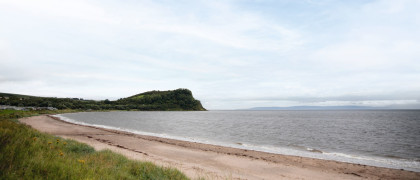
point(179, 99)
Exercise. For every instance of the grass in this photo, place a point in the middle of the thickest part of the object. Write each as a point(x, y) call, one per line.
point(28, 154)
point(138, 97)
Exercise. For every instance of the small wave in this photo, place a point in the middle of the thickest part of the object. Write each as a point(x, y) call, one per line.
point(396, 163)
point(346, 156)
point(314, 150)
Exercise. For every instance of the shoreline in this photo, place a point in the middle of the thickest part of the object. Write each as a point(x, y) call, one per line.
point(212, 161)
point(305, 152)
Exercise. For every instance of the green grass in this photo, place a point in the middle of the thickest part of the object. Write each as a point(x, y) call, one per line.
point(28, 154)
point(138, 97)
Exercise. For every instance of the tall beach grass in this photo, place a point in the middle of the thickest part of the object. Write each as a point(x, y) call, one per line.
point(28, 154)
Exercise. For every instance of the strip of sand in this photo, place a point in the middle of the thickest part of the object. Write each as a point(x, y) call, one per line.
point(198, 160)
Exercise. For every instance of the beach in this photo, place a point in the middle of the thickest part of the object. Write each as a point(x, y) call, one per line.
point(199, 160)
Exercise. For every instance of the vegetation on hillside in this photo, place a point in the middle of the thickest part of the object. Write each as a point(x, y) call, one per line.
point(179, 99)
point(28, 154)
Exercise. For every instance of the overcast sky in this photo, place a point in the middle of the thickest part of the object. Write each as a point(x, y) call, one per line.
point(231, 54)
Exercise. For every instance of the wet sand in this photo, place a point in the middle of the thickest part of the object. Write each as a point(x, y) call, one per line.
point(198, 160)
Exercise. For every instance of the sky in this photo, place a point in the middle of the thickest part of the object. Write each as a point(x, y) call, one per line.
point(232, 54)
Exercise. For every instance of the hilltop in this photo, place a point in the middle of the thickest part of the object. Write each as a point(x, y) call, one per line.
point(172, 100)
point(179, 99)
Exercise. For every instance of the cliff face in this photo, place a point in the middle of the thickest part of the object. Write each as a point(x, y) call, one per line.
point(176, 100)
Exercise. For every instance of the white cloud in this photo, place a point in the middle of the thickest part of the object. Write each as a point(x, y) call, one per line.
point(76, 9)
point(225, 26)
point(376, 38)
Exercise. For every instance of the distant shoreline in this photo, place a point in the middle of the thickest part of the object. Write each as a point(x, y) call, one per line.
point(321, 108)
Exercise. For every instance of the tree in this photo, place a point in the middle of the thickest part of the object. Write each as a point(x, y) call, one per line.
point(107, 101)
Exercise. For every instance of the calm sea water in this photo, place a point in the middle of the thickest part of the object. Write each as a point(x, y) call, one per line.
point(385, 138)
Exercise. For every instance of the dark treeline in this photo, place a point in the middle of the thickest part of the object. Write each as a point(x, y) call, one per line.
point(179, 99)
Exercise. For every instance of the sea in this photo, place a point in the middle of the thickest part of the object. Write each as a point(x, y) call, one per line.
point(383, 138)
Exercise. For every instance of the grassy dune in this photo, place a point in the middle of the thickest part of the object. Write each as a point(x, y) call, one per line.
point(28, 154)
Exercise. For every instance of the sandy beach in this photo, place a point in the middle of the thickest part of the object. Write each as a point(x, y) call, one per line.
point(198, 160)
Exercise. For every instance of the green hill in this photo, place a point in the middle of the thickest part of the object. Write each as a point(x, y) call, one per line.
point(176, 100)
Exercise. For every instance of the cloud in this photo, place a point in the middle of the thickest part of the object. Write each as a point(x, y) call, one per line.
point(229, 53)
point(81, 10)
point(402, 100)
point(380, 34)
point(220, 24)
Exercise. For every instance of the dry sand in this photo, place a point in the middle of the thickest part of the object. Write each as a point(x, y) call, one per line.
point(209, 161)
